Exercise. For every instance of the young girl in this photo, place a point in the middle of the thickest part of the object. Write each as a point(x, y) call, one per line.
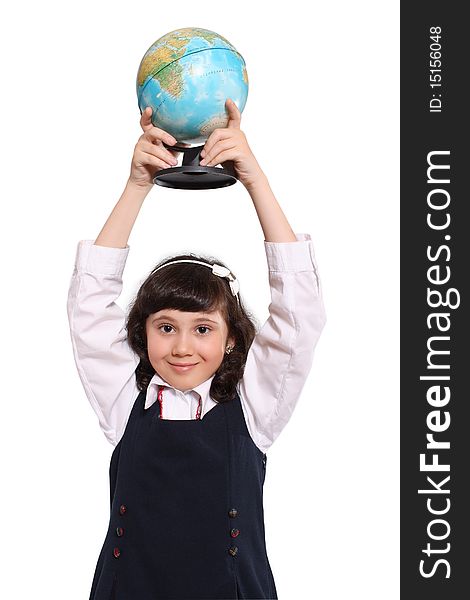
point(187, 391)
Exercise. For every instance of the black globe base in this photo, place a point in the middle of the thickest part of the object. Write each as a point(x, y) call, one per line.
point(193, 176)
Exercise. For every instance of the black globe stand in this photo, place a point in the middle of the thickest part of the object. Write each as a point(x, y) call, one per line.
point(193, 176)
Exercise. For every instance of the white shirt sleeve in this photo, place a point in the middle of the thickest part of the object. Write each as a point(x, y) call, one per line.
point(281, 354)
point(105, 362)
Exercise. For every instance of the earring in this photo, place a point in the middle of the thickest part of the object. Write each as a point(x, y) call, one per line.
point(228, 349)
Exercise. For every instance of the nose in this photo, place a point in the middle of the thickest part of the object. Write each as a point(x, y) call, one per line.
point(182, 345)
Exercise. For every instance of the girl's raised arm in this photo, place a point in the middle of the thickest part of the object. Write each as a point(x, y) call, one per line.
point(105, 362)
point(281, 355)
point(230, 144)
point(150, 155)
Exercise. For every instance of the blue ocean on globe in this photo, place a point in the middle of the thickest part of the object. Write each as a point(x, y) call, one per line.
point(186, 77)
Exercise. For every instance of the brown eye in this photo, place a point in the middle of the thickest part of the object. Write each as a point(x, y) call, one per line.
point(165, 325)
point(203, 327)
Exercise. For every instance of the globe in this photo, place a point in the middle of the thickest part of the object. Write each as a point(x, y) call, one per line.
point(186, 77)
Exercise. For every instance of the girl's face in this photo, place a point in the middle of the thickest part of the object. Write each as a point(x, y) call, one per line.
point(197, 341)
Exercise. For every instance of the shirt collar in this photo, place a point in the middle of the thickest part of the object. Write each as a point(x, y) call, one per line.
point(152, 390)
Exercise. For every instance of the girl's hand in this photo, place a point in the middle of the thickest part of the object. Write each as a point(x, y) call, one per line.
point(229, 143)
point(150, 155)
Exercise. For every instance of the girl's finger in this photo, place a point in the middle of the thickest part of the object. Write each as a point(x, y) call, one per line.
point(146, 159)
point(216, 136)
point(222, 156)
point(159, 151)
point(154, 134)
point(217, 149)
point(175, 153)
point(146, 118)
point(234, 115)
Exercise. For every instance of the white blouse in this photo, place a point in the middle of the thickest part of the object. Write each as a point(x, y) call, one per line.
point(277, 364)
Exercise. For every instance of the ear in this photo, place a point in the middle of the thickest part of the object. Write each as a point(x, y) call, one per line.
point(230, 342)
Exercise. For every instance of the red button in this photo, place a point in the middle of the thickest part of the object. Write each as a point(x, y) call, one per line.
point(119, 531)
point(234, 532)
point(122, 509)
point(117, 552)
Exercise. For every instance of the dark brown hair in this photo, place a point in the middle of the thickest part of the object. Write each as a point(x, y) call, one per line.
point(191, 287)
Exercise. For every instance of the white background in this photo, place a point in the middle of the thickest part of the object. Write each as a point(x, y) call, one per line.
point(322, 120)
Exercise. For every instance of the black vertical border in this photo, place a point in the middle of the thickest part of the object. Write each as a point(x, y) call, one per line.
point(422, 132)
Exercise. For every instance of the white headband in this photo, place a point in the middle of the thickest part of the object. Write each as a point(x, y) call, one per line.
point(216, 269)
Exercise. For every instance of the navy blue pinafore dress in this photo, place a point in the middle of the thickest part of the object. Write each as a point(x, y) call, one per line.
point(187, 520)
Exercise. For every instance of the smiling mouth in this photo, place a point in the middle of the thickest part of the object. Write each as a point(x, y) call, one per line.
point(183, 364)
point(182, 367)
